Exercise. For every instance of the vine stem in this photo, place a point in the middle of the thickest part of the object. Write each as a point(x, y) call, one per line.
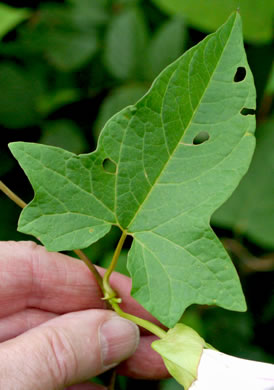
point(112, 298)
point(90, 266)
point(78, 252)
point(153, 328)
point(109, 292)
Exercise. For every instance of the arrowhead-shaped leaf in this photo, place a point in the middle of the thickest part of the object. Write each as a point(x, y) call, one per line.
point(153, 176)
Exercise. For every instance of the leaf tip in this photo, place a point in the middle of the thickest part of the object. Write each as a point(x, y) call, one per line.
point(234, 18)
point(14, 147)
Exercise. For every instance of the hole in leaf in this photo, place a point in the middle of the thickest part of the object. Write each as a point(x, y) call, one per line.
point(240, 74)
point(247, 111)
point(200, 138)
point(109, 166)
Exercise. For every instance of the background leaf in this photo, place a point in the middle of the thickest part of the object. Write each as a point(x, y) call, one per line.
point(125, 43)
point(207, 15)
point(270, 83)
point(166, 45)
point(245, 212)
point(18, 106)
point(64, 134)
point(10, 17)
point(66, 36)
point(85, 13)
point(166, 184)
point(49, 103)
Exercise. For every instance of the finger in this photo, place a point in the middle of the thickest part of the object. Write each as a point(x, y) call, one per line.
point(67, 349)
point(32, 277)
point(18, 323)
point(145, 363)
point(136, 366)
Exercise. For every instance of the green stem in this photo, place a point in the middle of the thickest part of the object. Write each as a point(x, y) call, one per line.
point(111, 296)
point(155, 329)
point(109, 292)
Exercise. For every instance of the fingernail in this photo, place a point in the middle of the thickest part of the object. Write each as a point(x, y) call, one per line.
point(119, 339)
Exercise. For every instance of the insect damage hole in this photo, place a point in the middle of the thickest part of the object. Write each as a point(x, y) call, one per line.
point(109, 166)
point(240, 74)
point(247, 111)
point(200, 138)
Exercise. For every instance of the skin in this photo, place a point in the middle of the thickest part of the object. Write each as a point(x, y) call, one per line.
point(55, 331)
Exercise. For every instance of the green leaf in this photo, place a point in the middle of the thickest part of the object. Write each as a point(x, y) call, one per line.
point(181, 351)
point(125, 44)
point(207, 15)
point(166, 185)
point(250, 210)
point(10, 17)
point(166, 45)
point(80, 210)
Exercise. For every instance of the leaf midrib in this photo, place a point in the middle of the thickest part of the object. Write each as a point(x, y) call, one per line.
point(190, 121)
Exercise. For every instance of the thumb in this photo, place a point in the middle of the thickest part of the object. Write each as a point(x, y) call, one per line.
point(66, 350)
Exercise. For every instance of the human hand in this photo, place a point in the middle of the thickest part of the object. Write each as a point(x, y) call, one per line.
point(54, 329)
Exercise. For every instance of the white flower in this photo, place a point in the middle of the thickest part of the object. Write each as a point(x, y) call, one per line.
point(218, 371)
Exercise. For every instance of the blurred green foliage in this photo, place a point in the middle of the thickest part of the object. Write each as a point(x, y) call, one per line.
point(250, 211)
point(67, 66)
point(10, 17)
point(207, 15)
